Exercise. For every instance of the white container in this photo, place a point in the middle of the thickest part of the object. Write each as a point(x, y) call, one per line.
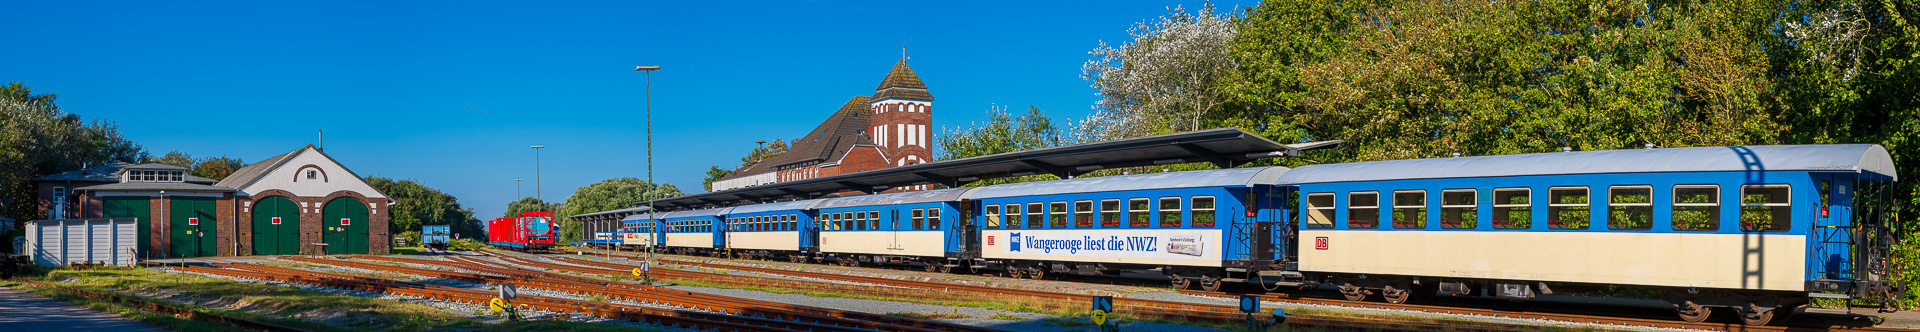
point(65, 241)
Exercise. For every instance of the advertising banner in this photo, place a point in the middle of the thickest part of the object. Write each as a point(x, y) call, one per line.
point(1144, 246)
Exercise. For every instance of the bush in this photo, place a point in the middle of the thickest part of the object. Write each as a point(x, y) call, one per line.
point(466, 244)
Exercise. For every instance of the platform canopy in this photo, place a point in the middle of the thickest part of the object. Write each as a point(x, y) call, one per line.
point(1224, 147)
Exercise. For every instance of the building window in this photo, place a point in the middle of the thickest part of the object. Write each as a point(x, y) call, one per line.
point(1630, 208)
point(1057, 213)
point(1320, 210)
point(1766, 208)
point(1363, 210)
point(1203, 212)
point(1459, 209)
point(1410, 209)
point(1696, 208)
point(1110, 213)
point(1512, 208)
point(1170, 212)
point(1568, 208)
point(993, 216)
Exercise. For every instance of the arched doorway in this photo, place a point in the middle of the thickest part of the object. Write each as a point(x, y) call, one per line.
point(276, 226)
point(343, 225)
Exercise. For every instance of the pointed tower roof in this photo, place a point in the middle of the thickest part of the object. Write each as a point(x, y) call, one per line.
point(902, 83)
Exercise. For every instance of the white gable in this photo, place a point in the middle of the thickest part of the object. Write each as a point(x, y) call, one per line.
point(327, 177)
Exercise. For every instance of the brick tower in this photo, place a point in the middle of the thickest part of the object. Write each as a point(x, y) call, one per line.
point(902, 122)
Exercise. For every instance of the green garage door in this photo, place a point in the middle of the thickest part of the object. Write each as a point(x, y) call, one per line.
point(133, 207)
point(193, 227)
point(276, 227)
point(344, 224)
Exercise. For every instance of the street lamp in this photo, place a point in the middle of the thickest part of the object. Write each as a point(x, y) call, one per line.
point(516, 186)
point(650, 210)
point(536, 173)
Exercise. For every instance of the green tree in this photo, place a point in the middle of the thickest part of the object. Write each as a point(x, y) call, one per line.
point(611, 194)
point(174, 158)
point(37, 138)
point(772, 149)
point(528, 204)
point(714, 173)
point(1002, 133)
point(216, 168)
point(416, 205)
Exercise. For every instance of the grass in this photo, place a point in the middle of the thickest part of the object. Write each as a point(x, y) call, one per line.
point(287, 306)
point(927, 316)
point(1007, 317)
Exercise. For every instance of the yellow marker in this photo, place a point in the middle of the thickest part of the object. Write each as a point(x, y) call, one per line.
point(497, 305)
point(636, 272)
point(1099, 317)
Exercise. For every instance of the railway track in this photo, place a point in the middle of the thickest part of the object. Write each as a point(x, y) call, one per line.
point(1142, 308)
point(1298, 299)
point(678, 318)
point(177, 311)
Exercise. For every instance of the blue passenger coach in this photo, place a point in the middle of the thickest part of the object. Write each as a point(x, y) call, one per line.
point(695, 232)
point(1204, 227)
point(638, 231)
point(1746, 229)
point(773, 230)
point(901, 228)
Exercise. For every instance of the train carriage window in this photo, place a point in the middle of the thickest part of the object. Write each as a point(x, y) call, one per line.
point(933, 219)
point(1035, 217)
point(873, 220)
point(1630, 207)
point(919, 219)
point(1110, 214)
point(1512, 208)
point(1766, 208)
point(1696, 207)
point(1459, 208)
point(1057, 215)
point(1410, 209)
point(1014, 217)
point(1169, 212)
point(1363, 210)
point(1139, 213)
point(846, 221)
point(860, 220)
point(1320, 210)
point(1568, 208)
point(1203, 212)
point(993, 216)
point(1083, 214)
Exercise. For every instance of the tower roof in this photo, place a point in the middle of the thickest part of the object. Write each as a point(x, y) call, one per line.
point(901, 82)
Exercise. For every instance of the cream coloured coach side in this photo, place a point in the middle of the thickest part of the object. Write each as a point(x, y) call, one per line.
point(690, 240)
point(1658, 259)
point(784, 240)
point(908, 243)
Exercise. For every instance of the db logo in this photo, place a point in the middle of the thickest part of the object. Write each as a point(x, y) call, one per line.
point(989, 240)
point(1320, 243)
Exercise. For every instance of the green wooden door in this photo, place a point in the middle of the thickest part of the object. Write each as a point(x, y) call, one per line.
point(138, 207)
point(344, 225)
point(193, 227)
point(276, 226)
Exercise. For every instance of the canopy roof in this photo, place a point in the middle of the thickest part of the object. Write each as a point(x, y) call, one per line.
point(1240, 177)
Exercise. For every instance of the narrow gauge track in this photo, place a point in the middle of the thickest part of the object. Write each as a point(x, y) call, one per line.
point(679, 318)
point(178, 311)
point(583, 285)
point(1298, 299)
point(1149, 309)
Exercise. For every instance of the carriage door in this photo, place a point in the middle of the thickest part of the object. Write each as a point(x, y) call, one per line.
point(893, 229)
point(1832, 228)
point(967, 229)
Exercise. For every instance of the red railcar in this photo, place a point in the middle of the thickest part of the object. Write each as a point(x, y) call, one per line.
point(529, 231)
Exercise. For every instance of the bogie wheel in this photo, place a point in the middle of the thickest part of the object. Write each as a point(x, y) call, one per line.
point(1748, 316)
point(1016, 273)
point(1694, 313)
point(1353, 293)
point(1182, 282)
point(945, 269)
point(1037, 273)
point(1209, 283)
point(1396, 294)
point(931, 267)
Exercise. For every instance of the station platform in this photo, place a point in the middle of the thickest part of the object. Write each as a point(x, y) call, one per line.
point(23, 311)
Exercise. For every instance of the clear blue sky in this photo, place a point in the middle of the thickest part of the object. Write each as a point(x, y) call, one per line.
point(392, 83)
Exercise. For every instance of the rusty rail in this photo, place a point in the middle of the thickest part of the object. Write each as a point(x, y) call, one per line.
point(153, 306)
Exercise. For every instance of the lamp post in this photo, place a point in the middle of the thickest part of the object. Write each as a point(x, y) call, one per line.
point(650, 210)
point(536, 173)
point(516, 185)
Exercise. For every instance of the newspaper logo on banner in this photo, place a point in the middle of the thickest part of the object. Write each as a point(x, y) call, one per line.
point(1013, 242)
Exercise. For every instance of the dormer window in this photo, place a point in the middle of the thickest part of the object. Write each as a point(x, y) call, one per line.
point(312, 174)
point(155, 176)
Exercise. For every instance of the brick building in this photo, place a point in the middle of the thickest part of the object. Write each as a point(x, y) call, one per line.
point(893, 127)
point(299, 202)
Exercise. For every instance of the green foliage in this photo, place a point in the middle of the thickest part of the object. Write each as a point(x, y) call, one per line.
point(771, 150)
point(37, 139)
point(528, 204)
point(611, 194)
point(417, 205)
point(714, 173)
point(1002, 133)
point(216, 168)
point(467, 243)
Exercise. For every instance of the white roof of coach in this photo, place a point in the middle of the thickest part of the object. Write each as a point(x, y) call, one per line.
point(1233, 177)
point(1837, 157)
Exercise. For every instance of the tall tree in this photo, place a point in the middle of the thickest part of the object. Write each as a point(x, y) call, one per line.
point(1165, 78)
point(1002, 133)
point(528, 204)
point(37, 138)
point(174, 158)
point(714, 173)
point(416, 205)
point(611, 194)
point(216, 168)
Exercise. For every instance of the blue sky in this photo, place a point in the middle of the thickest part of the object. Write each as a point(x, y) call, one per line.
point(452, 94)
